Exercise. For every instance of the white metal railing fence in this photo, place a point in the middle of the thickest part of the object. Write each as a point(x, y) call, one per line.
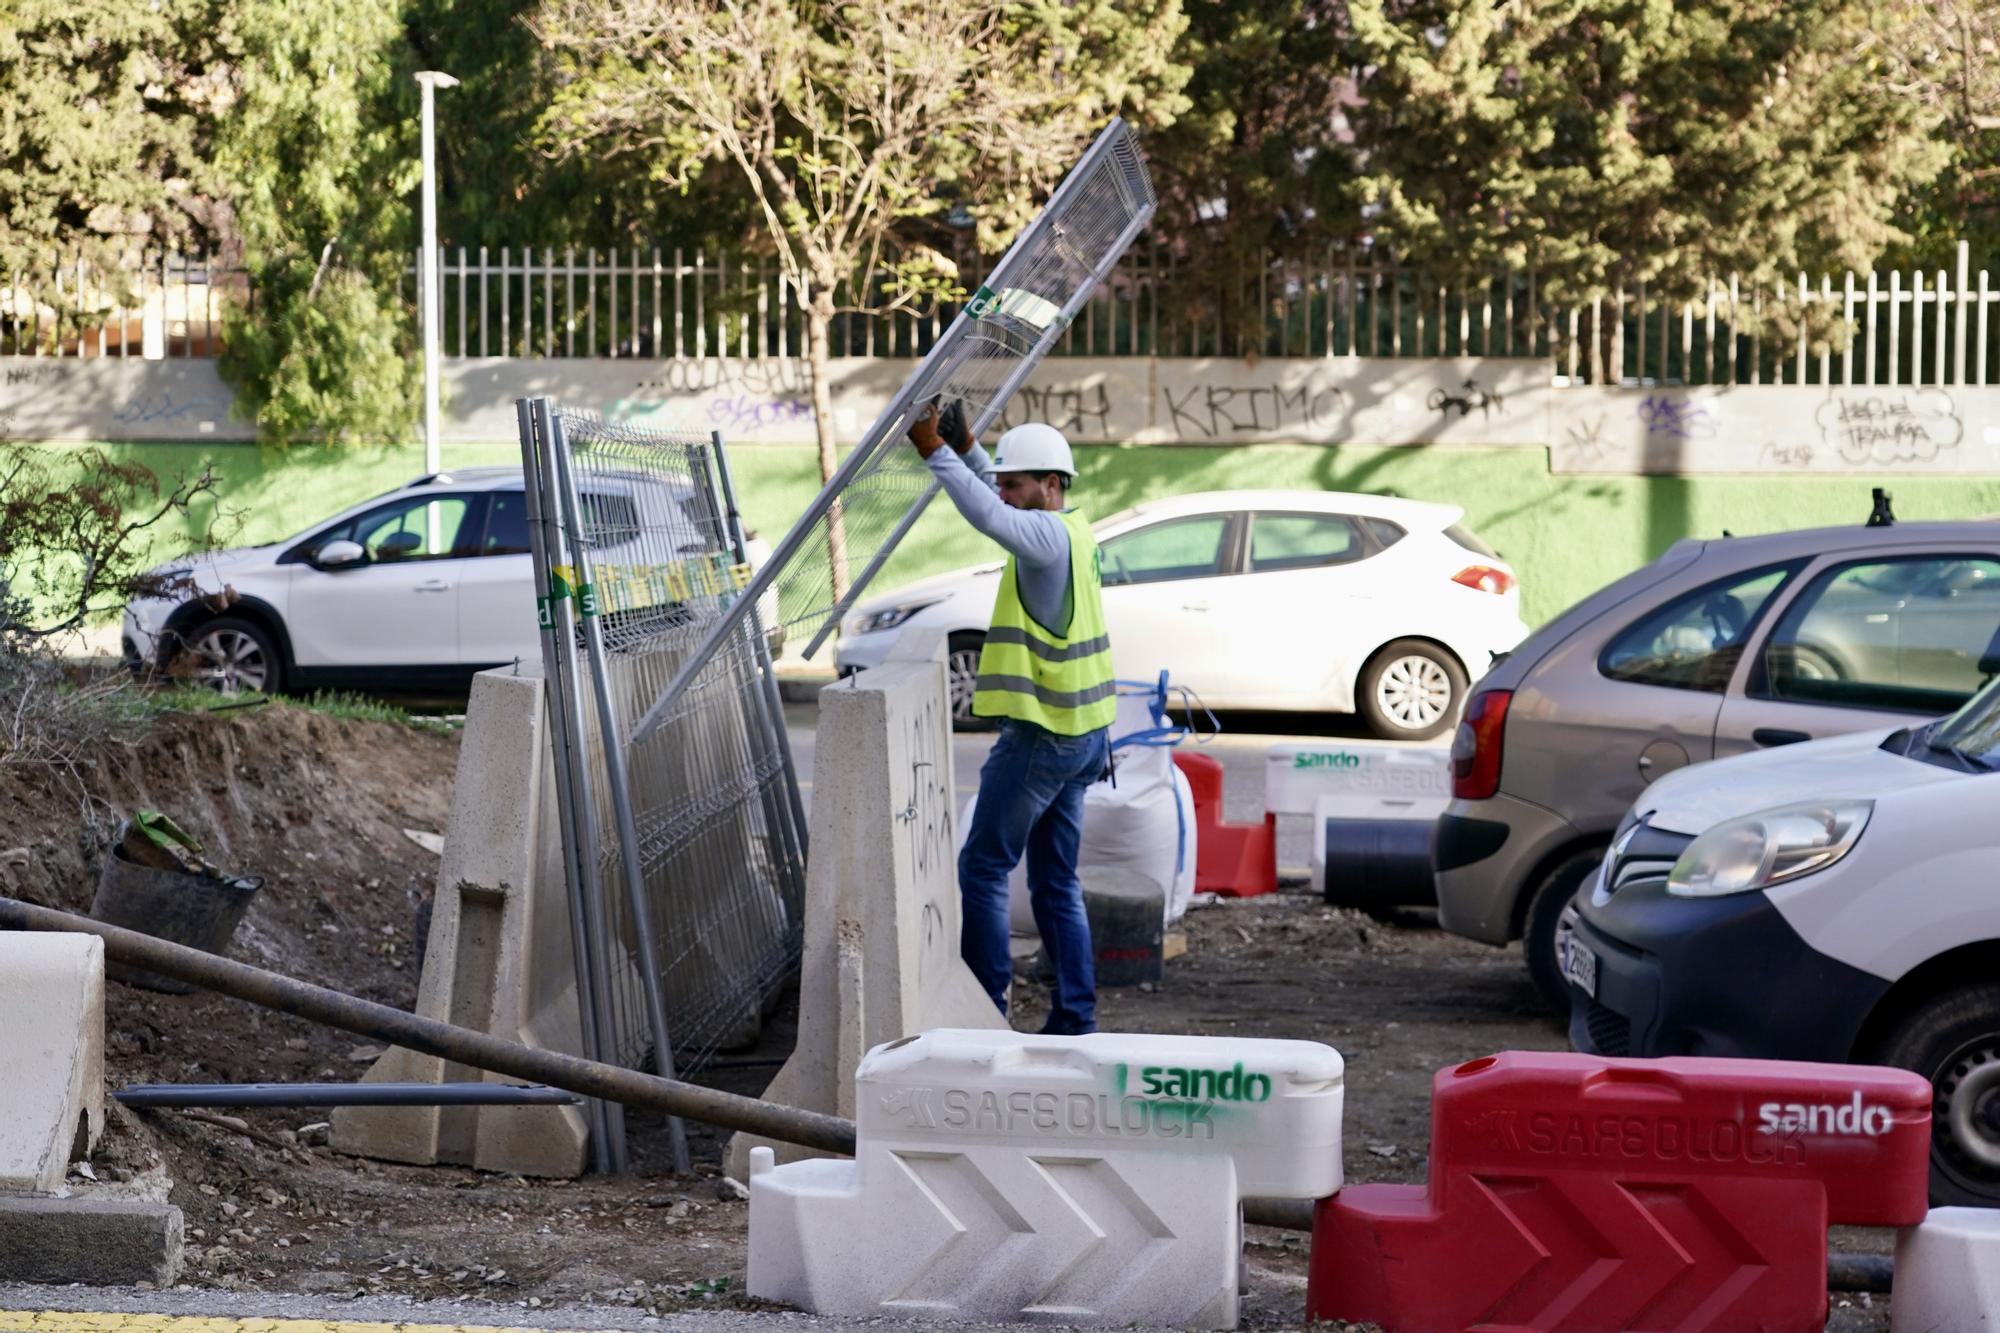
point(1904, 327)
point(153, 304)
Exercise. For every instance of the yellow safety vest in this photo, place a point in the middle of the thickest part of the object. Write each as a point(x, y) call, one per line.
point(1058, 681)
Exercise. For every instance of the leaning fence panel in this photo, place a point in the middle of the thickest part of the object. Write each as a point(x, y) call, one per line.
point(1011, 322)
point(694, 831)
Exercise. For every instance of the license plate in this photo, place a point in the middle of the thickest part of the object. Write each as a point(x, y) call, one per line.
point(1579, 966)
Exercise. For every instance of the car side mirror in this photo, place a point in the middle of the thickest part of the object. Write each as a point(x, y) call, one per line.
point(339, 555)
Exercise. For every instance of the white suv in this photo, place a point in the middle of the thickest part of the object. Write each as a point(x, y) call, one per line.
point(413, 590)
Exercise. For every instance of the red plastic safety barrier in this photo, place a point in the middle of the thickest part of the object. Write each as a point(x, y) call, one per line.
point(1236, 860)
point(1578, 1193)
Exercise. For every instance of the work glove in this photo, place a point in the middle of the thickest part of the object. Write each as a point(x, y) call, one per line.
point(954, 428)
point(924, 431)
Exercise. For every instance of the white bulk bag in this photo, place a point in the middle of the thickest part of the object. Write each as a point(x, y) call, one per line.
point(1142, 819)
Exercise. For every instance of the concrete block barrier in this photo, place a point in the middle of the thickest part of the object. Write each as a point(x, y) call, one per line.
point(498, 958)
point(1049, 1179)
point(882, 909)
point(1948, 1273)
point(52, 1047)
point(1578, 1193)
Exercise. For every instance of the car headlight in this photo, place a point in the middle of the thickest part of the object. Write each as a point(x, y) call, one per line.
point(889, 619)
point(1768, 848)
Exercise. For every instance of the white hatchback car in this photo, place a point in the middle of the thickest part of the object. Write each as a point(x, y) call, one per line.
point(1311, 601)
point(414, 590)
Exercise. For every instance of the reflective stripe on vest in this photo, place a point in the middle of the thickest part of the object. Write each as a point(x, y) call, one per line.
point(1059, 681)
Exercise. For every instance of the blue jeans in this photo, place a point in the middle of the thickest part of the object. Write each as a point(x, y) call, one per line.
point(1031, 800)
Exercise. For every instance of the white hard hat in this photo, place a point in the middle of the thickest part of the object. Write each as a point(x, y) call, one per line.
point(1034, 446)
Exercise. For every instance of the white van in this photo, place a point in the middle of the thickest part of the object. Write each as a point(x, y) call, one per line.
point(1832, 900)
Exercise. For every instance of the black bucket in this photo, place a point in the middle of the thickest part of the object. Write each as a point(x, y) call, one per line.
point(200, 911)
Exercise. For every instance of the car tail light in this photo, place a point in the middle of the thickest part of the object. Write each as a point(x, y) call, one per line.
point(1484, 578)
point(1475, 747)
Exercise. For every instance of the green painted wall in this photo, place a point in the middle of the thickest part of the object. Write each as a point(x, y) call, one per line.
point(1565, 534)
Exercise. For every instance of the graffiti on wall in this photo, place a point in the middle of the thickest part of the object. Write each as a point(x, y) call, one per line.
point(1199, 414)
point(1886, 427)
point(738, 398)
point(1841, 430)
point(1080, 411)
point(1469, 396)
point(1677, 418)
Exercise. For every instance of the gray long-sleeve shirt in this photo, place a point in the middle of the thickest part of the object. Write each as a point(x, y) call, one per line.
point(1036, 538)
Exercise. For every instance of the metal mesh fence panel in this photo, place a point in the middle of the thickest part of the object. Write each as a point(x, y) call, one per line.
point(690, 840)
point(1010, 323)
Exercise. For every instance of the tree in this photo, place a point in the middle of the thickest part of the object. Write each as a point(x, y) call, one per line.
point(1611, 142)
point(1255, 167)
point(496, 185)
point(103, 110)
point(320, 174)
point(856, 127)
point(1946, 53)
point(72, 538)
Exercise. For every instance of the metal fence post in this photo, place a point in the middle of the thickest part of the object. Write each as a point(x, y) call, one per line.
point(608, 1151)
point(619, 780)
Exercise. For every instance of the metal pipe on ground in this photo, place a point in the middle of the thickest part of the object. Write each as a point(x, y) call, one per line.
point(342, 1094)
point(462, 1045)
point(1845, 1272)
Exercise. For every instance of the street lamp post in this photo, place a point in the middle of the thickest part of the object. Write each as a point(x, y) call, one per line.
point(427, 269)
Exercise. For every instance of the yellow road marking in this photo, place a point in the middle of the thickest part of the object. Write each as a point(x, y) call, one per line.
point(65, 1321)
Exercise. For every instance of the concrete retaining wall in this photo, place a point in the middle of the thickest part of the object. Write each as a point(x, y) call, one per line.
point(1349, 401)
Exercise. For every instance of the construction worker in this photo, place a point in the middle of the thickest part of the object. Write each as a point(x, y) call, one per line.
point(1045, 673)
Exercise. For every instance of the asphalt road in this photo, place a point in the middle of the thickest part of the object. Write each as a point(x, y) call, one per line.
point(1241, 744)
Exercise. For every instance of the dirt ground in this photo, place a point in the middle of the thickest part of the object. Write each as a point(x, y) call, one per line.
point(320, 807)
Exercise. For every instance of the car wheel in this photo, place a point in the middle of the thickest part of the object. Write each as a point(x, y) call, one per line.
point(961, 670)
point(1538, 929)
point(1802, 661)
point(1411, 691)
point(235, 656)
point(1953, 1039)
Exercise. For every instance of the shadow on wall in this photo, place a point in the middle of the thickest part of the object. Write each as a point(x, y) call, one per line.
point(1669, 504)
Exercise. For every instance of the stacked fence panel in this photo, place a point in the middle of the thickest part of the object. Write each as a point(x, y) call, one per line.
point(688, 843)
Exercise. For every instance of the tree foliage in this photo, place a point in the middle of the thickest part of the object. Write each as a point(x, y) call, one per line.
point(1256, 164)
point(1946, 54)
point(1608, 142)
point(321, 179)
point(855, 129)
point(498, 186)
point(72, 539)
point(103, 115)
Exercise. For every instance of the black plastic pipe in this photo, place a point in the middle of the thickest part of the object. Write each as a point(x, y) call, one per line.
point(342, 1094)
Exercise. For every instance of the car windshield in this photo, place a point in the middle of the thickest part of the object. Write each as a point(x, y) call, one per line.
point(1974, 730)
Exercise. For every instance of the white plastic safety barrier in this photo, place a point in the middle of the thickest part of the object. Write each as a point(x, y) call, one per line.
point(1054, 1179)
point(1948, 1272)
point(1362, 778)
point(1355, 780)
